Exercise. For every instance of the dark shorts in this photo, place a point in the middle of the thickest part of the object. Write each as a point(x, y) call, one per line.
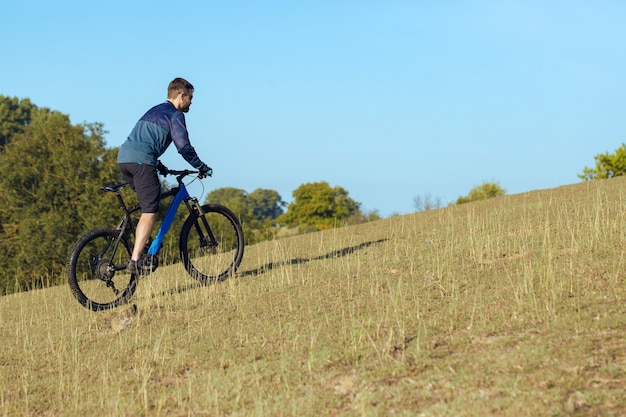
point(143, 178)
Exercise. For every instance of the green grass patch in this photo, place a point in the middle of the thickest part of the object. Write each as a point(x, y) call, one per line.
point(512, 306)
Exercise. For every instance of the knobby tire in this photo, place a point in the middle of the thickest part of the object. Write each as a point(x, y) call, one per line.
point(90, 278)
point(207, 263)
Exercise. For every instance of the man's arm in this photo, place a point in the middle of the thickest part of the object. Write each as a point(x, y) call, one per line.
point(180, 137)
point(190, 155)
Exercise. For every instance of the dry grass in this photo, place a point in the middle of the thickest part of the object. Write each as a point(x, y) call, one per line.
point(509, 307)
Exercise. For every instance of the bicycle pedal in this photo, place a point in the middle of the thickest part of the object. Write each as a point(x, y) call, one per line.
point(149, 264)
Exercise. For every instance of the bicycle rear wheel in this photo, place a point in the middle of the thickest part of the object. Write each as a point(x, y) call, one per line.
point(211, 245)
point(94, 273)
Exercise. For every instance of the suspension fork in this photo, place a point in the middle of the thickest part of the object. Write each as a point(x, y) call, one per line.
point(207, 239)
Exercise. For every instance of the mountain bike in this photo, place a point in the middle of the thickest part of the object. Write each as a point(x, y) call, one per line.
point(211, 248)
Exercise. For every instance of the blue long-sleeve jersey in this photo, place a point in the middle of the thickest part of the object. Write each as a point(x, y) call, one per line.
point(154, 132)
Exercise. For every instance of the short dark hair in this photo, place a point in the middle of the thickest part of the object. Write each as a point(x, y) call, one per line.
point(177, 86)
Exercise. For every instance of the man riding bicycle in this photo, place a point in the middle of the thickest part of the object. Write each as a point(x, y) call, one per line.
point(139, 163)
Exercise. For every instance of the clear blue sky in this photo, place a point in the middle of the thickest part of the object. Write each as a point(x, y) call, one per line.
point(387, 99)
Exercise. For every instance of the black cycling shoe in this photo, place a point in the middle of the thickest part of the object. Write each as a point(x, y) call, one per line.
point(132, 268)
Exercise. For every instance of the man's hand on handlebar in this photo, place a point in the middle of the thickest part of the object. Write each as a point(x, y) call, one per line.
point(205, 172)
point(162, 169)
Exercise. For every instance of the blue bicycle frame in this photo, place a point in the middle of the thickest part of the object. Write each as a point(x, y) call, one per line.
point(168, 220)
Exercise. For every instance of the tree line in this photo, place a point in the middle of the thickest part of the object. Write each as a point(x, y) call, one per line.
point(52, 171)
point(50, 186)
point(607, 165)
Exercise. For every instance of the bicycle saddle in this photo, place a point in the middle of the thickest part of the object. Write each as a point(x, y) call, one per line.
point(114, 188)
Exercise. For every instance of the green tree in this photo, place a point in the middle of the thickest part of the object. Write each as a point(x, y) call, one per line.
point(233, 198)
point(482, 192)
point(256, 211)
point(15, 115)
point(607, 165)
point(265, 204)
point(319, 206)
point(51, 173)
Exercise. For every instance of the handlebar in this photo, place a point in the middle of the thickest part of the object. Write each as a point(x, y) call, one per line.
point(182, 174)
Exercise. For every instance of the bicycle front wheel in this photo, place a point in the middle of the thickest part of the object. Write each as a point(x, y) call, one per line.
point(95, 270)
point(211, 245)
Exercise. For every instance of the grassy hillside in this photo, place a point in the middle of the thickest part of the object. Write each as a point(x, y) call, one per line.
point(508, 307)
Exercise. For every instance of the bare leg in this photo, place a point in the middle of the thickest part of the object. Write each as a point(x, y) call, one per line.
point(143, 232)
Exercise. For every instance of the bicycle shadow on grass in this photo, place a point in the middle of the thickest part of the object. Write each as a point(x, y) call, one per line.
point(340, 253)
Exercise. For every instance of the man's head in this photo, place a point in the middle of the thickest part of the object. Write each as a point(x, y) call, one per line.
point(180, 94)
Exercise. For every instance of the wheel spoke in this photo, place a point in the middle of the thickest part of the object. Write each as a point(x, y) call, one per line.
point(212, 245)
point(91, 270)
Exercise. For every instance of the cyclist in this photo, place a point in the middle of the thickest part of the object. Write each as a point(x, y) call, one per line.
point(139, 163)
